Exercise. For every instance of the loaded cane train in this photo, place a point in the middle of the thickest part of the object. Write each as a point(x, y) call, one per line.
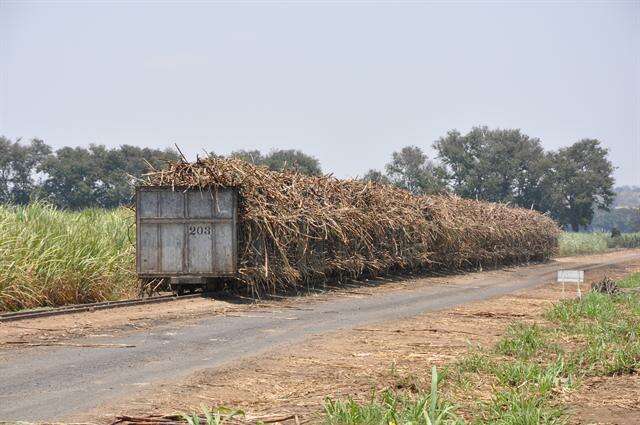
point(186, 237)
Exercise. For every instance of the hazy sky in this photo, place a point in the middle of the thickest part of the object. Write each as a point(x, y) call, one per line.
point(347, 82)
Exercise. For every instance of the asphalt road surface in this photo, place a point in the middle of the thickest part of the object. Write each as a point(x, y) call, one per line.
point(51, 383)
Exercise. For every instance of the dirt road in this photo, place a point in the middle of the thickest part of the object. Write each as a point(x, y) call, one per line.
point(54, 382)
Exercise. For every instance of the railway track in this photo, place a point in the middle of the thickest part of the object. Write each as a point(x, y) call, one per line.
point(76, 308)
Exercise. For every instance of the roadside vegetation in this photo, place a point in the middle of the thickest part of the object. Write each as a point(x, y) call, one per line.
point(591, 243)
point(520, 379)
point(51, 257)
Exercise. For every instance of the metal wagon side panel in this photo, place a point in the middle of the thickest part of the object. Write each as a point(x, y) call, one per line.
point(186, 232)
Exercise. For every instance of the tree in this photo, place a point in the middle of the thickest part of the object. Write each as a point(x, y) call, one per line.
point(495, 165)
point(627, 220)
point(120, 167)
point(18, 165)
point(79, 177)
point(290, 159)
point(281, 159)
point(411, 169)
point(252, 156)
point(580, 179)
point(376, 176)
point(71, 178)
point(627, 196)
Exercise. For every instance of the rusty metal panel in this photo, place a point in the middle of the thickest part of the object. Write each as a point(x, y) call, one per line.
point(225, 204)
point(200, 204)
point(200, 255)
point(223, 246)
point(172, 237)
point(148, 249)
point(147, 204)
point(171, 204)
point(186, 232)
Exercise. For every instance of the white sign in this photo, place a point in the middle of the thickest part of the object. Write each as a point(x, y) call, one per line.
point(571, 276)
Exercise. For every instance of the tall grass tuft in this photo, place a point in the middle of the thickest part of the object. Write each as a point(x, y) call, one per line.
point(394, 408)
point(50, 257)
point(590, 243)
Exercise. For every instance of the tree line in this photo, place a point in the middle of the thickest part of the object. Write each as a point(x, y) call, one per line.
point(624, 214)
point(73, 178)
point(499, 165)
point(506, 165)
point(97, 176)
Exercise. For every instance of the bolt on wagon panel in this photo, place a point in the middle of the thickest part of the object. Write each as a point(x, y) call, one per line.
point(185, 232)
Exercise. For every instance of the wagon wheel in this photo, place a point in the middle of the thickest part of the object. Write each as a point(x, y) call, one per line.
point(148, 287)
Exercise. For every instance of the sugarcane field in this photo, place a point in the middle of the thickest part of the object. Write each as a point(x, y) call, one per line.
point(327, 212)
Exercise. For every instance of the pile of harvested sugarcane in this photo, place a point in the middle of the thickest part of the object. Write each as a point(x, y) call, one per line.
point(208, 416)
point(606, 286)
point(298, 230)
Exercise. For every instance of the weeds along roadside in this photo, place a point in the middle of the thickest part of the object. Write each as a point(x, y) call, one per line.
point(522, 378)
point(50, 257)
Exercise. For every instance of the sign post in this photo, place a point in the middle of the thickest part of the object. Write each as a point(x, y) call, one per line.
point(571, 276)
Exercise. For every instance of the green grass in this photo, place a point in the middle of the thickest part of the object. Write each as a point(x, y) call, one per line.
point(590, 243)
point(392, 407)
point(518, 407)
point(474, 363)
point(521, 340)
point(625, 240)
point(605, 331)
point(608, 326)
point(631, 281)
point(50, 257)
point(526, 368)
